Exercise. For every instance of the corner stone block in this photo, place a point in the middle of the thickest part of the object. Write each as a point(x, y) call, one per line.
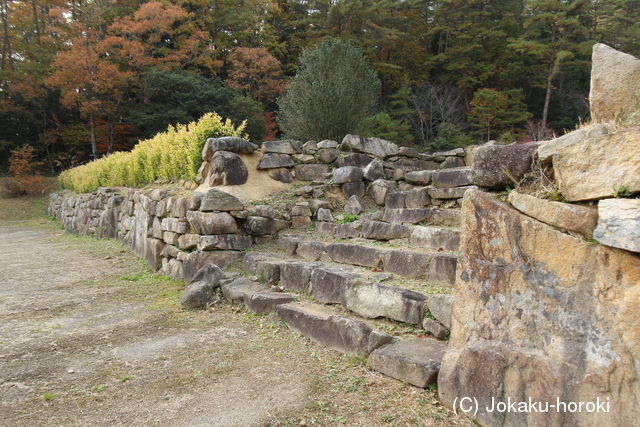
point(348, 336)
point(296, 276)
point(416, 362)
point(266, 302)
point(329, 284)
point(442, 270)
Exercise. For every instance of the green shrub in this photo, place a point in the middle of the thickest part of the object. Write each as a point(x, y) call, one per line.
point(174, 154)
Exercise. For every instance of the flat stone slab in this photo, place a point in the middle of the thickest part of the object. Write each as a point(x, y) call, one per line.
point(374, 300)
point(347, 253)
point(460, 177)
point(225, 242)
point(379, 230)
point(236, 290)
point(266, 302)
point(296, 276)
point(442, 270)
point(406, 263)
point(619, 224)
point(435, 238)
point(348, 336)
point(416, 362)
point(275, 161)
point(311, 251)
point(260, 226)
point(449, 193)
point(412, 216)
point(329, 284)
point(310, 172)
point(250, 260)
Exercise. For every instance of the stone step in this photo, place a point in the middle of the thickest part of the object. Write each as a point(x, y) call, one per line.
point(356, 289)
point(348, 336)
point(416, 362)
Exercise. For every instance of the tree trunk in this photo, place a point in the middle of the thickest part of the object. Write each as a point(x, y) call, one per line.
point(547, 99)
point(92, 124)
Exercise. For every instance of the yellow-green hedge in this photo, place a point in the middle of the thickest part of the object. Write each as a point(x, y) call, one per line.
point(176, 153)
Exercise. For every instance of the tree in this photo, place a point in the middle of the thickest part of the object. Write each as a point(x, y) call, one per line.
point(494, 111)
point(179, 97)
point(332, 94)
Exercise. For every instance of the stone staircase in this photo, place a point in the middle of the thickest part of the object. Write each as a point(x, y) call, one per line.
point(369, 289)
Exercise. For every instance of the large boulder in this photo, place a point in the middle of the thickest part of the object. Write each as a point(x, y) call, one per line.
point(227, 168)
point(275, 161)
point(378, 147)
point(540, 315)
point(260, 226)
point(615, 84)
point(347, 174)
point(310, 172)
point(212, 222)
point(496, 166)
point(547, 149)
point(594, 168)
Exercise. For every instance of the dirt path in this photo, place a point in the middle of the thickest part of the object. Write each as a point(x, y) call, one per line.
point(89, 337)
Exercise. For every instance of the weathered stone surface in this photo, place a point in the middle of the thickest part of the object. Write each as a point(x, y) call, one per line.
point(442, 270)
point(212, 222)
point(310, 250)
point(434, 328)
point(300, 221)
point(288, 242)
point(440, 306)
point(538, 314)
point(259, 226)
point(281, 174)
point(198, 259)
point(590, 169)
point(304, 158)
point(347, 174)
point(408, 152)
point(250, 260)
point(324, 215)
point(395, 200)
point(406, 263)
point(446, 217)
point(188, 241)
point(225, 242)
point(196, 295)
point(449, 193)
point(296, 276)
point(547, 149)
point(418, 198)
point(496, 166)
point(328, 155)
point(310, 172)
point(348, 336)
point(435, 238)
point(176, 225)
point(378, 147)
point(569, 217)
point(170, 238)
point(408, 165)
point(268, 271)
point(371, 216)
point(217, 200)
point(326, 229)
point(286, 146)
point(453, 162)
point(374, 300)
point(153, 250)
point(329, 284)
point(347, 231)
point(227, 143)
point(347, 253)
point(310, 147)
point(227, 169)
point(210, 273)
point(615, 84)
point(416, 362)
point(418, 177)
point(619, 223)
point(355, 205)
point(358, 160)
point(236, 290)
point(327, 143)
point(452, 177)
point(353, 189)
point(379, 190)
point(266, 302)
point(274, 161)
point(412, 216)
point(379, 230)
point(374, 170)
point(264, 211)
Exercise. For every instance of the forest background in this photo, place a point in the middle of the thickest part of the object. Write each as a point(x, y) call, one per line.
point(80, 79)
